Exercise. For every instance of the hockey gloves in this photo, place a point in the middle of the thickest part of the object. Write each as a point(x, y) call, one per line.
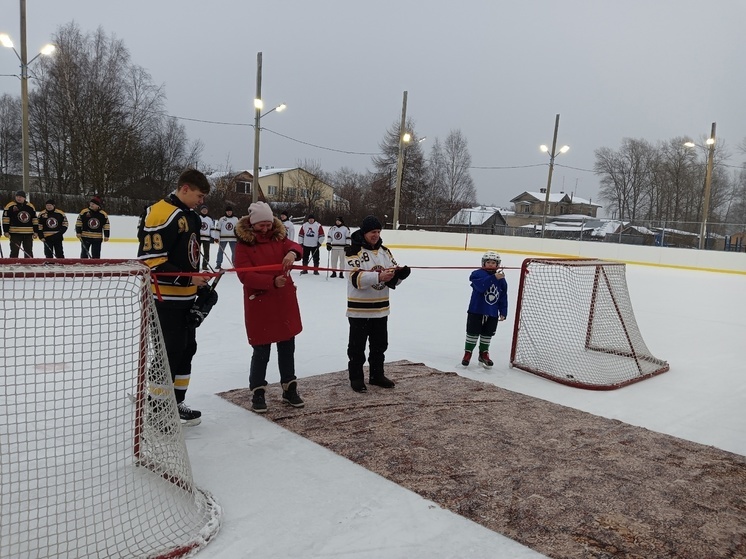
point(206, 299)
point(399, 275)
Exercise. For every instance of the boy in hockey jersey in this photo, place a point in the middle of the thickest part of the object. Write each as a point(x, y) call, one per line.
point(311, 237)
point(336, 241)
point(169, 242)
point(488, 306)
point(373, 271)
point(289, 227)
point(52, 227)
point(225, 231)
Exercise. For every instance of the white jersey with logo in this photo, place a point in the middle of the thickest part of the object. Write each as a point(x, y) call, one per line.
point(225, 229)
point(338, 237)
point(207, 232)
point(366, 296)
point(290, 229)
point(311, 234)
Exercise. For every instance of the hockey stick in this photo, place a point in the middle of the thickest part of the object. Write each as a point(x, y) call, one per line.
point(328, 263)
point(222, 250)
point(23, 250)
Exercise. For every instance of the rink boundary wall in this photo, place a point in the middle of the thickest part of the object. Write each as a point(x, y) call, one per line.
point(684, 258)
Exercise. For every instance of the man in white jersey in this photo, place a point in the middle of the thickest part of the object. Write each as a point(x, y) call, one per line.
point(311, 237)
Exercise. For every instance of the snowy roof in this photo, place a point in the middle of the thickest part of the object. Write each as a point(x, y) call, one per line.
point(474, 216)
point(557, 197)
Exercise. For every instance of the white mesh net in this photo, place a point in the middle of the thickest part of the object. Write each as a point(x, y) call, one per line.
point(575, 325)
point(92, 458)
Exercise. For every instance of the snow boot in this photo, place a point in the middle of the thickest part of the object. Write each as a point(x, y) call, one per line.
point(258, 404)
point(334, 275)
point(358, 385)
point(290, 395)
point(467, 359)
point(341, 275)
point(484, 359)
point(189, 416)
point(382, 381)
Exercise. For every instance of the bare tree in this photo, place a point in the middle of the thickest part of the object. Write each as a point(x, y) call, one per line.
point(453, 186)
point(309, 187)
point(10, 138)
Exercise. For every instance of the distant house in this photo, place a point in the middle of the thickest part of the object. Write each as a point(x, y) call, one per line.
point(482, 219)
point(531, 205)
point(285, 187)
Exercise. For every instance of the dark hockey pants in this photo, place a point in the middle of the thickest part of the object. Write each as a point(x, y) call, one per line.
point(374, 331)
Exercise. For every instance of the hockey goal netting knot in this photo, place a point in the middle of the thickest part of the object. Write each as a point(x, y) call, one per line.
point(92, 458)
point(574, 324)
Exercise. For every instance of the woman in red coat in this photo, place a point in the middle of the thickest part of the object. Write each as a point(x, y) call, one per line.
point(270, 303)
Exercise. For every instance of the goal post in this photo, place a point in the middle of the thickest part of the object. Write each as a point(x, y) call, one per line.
point(93, 461)
point(574, 324)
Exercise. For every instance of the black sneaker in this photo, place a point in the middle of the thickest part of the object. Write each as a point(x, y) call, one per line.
point(341, 275)
point(315, 272)
point(258, 404)
point(382, 381)
point(334, 275)
point(290, 395)
point(189, 416)
point(302, 272)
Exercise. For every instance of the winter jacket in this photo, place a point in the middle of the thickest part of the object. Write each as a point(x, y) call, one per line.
point(489, 295)
point(271, 313)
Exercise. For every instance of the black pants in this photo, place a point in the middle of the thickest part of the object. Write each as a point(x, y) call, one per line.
point(285, 362)
point(20, 241)
point(53, 246)
point(375, 332)
point(205, 254)
point(180, 339)
point(90, 248)
point(311, 252)
point(481, 324)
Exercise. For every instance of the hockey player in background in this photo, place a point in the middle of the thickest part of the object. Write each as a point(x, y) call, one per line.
point(206, 235)
point(488, 306)
point(311, 237)
point(20, 225)
point(336, 241)
point(289, 227)
point(52, 227)
point(92, 228)
point(225, 230)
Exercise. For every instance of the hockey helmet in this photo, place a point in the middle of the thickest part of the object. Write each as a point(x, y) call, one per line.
point(490, 255)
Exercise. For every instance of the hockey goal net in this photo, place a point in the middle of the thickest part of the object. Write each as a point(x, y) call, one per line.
point(92, 458)
point(574, 324)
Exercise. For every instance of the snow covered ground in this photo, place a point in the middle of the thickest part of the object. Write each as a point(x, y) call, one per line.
point(284, 496)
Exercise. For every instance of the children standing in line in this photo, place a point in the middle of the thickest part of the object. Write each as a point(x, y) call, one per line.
point(487, 307)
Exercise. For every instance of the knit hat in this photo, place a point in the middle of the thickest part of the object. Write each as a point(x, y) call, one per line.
point(310, 216)
point(284, 213)
point(50, 202)
point(96, 200)
point(21, 193)
point(203, 207)
point(229, 208)
point(260, 211)
point(339, 218)
point(370, 223)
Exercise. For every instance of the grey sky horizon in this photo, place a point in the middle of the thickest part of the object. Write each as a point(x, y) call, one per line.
point(498, 71)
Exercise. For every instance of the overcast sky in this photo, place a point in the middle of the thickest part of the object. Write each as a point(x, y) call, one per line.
point(498, 71)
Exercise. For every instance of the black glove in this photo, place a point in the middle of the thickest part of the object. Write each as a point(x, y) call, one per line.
point(206, 299)
point(328, 246)
point(402, 273)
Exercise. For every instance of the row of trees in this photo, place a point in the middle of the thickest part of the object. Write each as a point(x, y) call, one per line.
point(97, 123)
point(663, 183)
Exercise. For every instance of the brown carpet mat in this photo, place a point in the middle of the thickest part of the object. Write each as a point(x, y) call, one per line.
point(561, 481)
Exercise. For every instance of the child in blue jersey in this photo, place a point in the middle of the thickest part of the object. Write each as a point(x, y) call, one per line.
point(487, 307)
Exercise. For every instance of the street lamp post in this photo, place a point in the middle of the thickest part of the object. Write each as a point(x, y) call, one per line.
point(552, 154)
point(6, 41)
point(400, 161)
point(258, 106)
point(708, 183)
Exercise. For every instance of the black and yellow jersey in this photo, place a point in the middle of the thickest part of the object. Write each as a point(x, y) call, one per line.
point(19, 219)
point(92, 224)
point(52, 223)
point(169, 242)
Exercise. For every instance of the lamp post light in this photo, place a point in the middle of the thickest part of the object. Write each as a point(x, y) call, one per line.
point(258, 106)
point(708, 183)
point(403, 138)
point(552, 154)
point(46, 50)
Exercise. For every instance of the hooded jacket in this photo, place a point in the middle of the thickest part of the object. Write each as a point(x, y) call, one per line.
point(271, 314)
